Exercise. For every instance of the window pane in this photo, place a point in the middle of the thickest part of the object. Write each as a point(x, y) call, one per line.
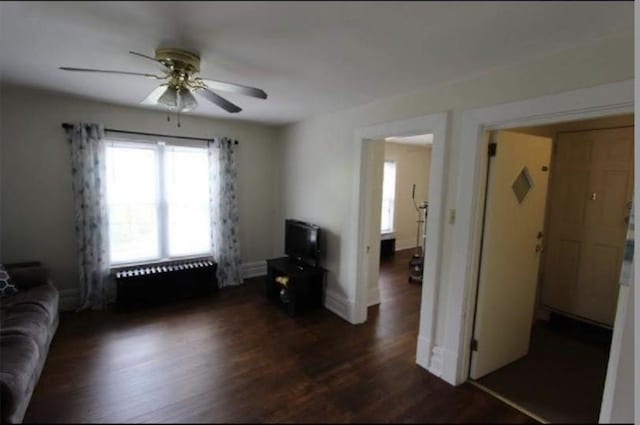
point(388, 196)
point(187, 195)
point(132, 202)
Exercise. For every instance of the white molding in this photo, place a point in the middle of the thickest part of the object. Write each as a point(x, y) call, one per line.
point(253, 269)
point(449, 365)
point(403, 244)
point(69, 299)
point(437, 124)
point(599, 101)
point(338, 304)
point(606, 409)
point(435, 365)
point(423, 352)
point(373, 296)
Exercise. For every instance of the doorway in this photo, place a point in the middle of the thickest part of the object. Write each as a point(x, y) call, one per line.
point(435, 124)
point(400, 169)
point(556, 211)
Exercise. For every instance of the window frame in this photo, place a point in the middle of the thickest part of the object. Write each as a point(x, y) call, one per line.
point(162, 208)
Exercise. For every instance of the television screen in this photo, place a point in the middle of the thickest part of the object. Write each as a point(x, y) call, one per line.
point(301, 241)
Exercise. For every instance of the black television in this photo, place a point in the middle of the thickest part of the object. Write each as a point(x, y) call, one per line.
point(302, 242)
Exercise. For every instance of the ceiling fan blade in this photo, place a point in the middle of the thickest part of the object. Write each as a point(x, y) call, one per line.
point(219, 100)
point(106, 71)
point(150, 58)
point(152, 98)
point(235, 88)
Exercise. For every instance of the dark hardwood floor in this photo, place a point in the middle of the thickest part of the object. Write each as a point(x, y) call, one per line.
point(236, 358)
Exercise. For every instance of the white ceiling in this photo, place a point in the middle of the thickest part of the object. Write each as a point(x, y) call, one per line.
point(420, 139)
point(310, 57)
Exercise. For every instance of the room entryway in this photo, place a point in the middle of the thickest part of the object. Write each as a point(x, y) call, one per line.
point(557, 208)
point(397, 173)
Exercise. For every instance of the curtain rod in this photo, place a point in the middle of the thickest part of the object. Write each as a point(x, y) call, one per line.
point(68, 126)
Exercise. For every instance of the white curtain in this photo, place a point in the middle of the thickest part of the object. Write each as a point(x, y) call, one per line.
point(225, 237)
point(91, 219)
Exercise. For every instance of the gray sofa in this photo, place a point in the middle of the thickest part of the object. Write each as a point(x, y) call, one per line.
point(28, 321)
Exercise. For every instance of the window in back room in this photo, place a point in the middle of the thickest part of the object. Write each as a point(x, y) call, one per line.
point(388, 196)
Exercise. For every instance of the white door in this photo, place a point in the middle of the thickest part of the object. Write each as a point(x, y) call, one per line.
point(513, 225)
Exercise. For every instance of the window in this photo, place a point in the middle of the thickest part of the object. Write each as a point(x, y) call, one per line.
point(158, 201)
point(388, 196)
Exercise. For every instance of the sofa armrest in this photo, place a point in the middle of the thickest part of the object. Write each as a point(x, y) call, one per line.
point(8, 400)
point(27, 275)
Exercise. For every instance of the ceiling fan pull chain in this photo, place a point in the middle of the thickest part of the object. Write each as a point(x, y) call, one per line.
point(168, 116)
point(178, 115)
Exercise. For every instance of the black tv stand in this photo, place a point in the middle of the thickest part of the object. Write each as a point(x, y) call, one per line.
point(303, 289)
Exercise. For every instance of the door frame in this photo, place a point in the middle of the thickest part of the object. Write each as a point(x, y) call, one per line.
point(599, 101)
point(437, 125)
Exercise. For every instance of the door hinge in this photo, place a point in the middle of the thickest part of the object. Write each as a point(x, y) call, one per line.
point(474, 345)
point(493, 149)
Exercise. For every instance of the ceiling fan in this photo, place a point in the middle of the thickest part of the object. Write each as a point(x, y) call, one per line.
point(176, 92)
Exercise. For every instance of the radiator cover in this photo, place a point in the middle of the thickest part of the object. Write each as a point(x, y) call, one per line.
point(157, 283)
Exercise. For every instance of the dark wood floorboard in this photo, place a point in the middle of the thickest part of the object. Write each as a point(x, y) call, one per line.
point(236, 358)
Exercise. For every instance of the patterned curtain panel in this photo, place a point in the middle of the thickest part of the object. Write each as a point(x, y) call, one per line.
point(225, 239)
point(91, 218)
point(626, 274)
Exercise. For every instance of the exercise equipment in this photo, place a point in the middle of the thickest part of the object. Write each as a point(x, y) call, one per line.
point(417, 259)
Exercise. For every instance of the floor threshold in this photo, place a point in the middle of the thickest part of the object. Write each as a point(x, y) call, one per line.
point(508, 402)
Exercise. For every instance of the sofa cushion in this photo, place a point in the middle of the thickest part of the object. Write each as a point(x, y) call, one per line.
point(43, 297)
point(18, 372)
point(30, 322)
point(7, 285)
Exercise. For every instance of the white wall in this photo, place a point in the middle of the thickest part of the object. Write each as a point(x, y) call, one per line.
point(37, 208)
point(618, 399)
point(412, 167)
point(318, 153)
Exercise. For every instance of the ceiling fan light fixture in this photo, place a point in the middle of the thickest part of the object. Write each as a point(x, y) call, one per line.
point(169, 98)
point(180, 82)
point(187, 100)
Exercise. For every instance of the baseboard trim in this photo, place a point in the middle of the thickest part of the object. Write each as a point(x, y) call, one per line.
point(423, 352)
point(435, 366)
point(542, 314)
point(449, 365)
point(405, 244)
point(373, 296)
point(337, 304)
point(69, 299)
point(253, 269)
